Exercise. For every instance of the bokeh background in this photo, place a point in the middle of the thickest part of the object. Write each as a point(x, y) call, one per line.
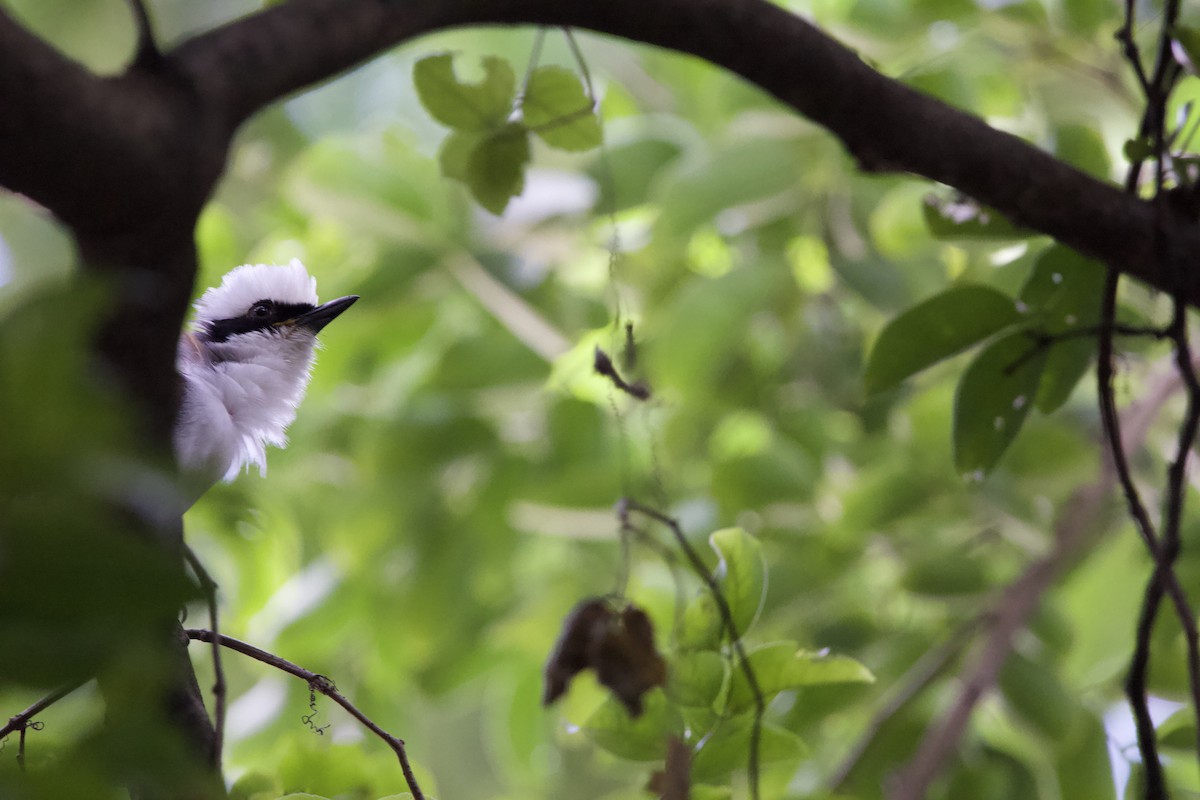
point(448, 493)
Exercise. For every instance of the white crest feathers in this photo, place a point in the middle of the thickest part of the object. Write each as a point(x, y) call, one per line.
point(249, 283)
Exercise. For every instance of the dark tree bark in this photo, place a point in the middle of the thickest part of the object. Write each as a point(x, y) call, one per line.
point(128, 161)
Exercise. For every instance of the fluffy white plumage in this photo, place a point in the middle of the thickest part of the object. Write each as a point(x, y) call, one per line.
point(241, 388)
point(245, 285)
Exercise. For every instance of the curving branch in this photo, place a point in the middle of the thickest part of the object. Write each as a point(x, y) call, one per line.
point(186, 109)
point(128, 161)
point(316, 683)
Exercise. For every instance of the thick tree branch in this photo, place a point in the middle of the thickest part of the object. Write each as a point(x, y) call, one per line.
point(248, 64)
point(135, 156)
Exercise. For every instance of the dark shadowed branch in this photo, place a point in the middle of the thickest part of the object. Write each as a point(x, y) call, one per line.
point(183, 113)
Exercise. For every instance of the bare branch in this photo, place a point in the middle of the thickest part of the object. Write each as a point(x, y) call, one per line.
point(21, 721)
point(244, 66)
point(148, 55)
point(172, 129)
point(318, 683)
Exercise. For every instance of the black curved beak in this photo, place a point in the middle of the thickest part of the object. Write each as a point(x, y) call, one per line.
point(325, 313)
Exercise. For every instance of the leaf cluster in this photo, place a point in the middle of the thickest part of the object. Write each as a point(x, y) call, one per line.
point(488, 148)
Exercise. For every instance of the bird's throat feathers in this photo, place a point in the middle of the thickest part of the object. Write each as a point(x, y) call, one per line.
point(241, 395)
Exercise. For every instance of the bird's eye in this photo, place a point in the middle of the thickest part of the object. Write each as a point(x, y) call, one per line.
point(260, 310)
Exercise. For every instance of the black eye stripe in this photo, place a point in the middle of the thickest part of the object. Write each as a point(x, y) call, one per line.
point(220, 330)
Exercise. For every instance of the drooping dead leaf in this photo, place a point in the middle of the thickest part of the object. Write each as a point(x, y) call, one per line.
point(571, 651)
point(619, 647)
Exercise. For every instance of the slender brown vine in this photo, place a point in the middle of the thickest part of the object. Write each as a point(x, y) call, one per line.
point(1164, 546)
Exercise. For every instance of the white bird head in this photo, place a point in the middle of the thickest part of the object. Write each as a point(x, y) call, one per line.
point(246, 364)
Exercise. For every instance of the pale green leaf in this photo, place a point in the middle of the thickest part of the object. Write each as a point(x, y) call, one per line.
point(727, 748)
point(783, 665)
point(454, 156)
point(643, 738)
point(697, 678)
point(467, 106)
point(496, 167)
point(557, 109)
point(742, 577)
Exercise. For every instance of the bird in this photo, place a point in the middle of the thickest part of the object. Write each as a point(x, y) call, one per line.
point(244, 367)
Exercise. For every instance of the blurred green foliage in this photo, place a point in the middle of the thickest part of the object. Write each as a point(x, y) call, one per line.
point(447, 496)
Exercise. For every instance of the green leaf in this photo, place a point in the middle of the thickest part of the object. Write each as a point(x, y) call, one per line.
point(784, 665)
point(1083, 767)
point(454, 156)
point(466, 106)
point(1138, 149)
point(700, 627)
point(727, 748)
point(962, 218)
point(556, 108)
point(742, 576)
point(496, 167)
point(993, 398)
point(1063, 294)
point(642, 739)
point(934, 329)
point(697, 678)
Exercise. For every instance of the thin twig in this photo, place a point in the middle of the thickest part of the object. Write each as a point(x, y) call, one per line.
point(323, 685)
point(1129, 47)
point(209, 587)
point(535, 55)
point(147, 55)
point(1136, 508)
point(603, 365)
point(19, 722)
point(581, 62)
point(735, 636)
point(1044, 341)
point(1163, 579)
